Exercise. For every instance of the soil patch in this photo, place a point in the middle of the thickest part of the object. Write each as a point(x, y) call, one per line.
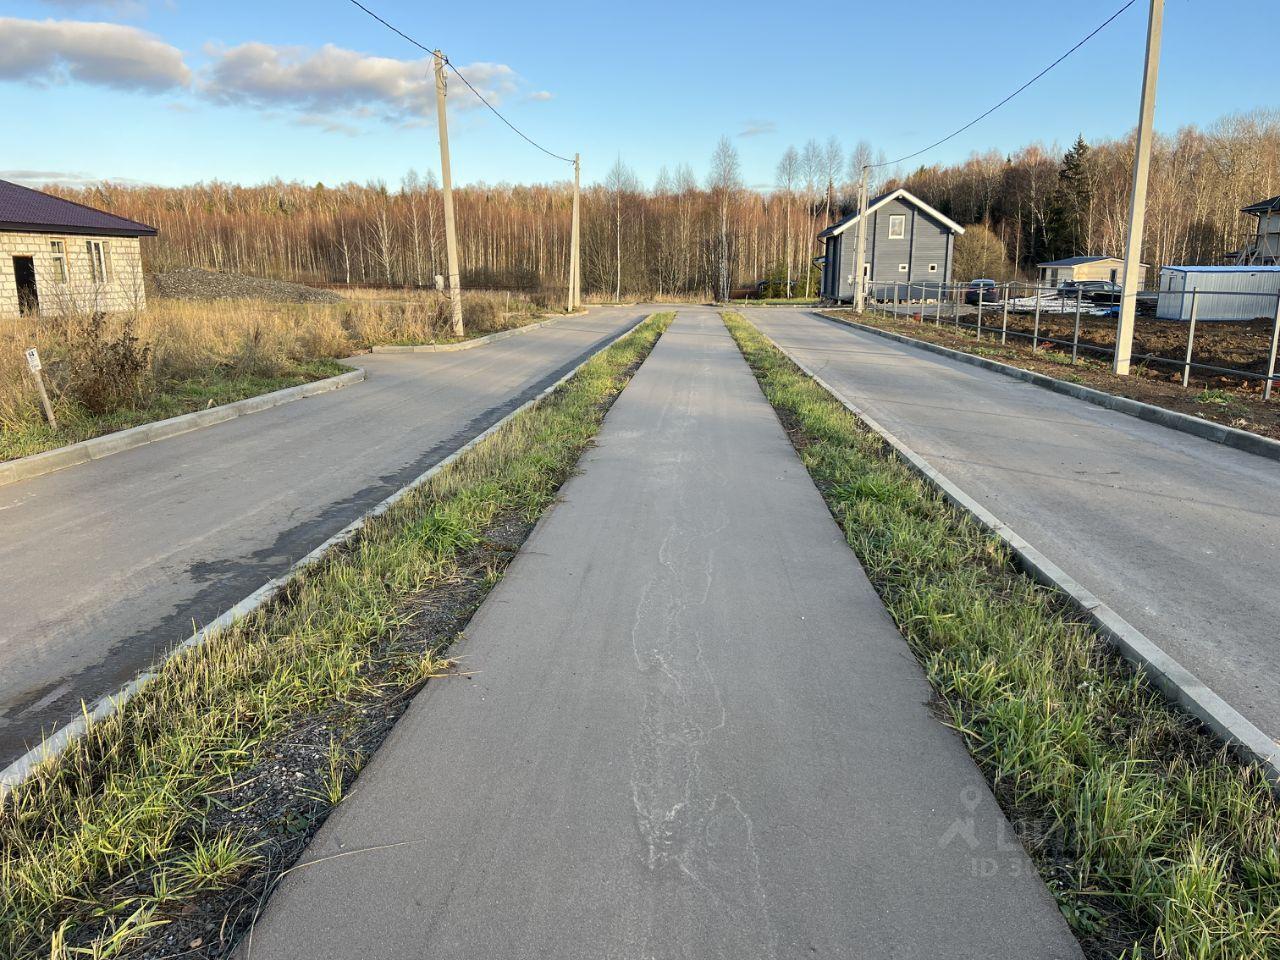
point(1231, 401)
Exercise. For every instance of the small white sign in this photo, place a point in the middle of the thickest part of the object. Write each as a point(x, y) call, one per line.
point(33, 360)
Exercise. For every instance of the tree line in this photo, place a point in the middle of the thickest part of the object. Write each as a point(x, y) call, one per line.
point(711, 235)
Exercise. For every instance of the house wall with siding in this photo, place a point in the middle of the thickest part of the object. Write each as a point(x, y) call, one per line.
point(80, 293)
point(926, 241)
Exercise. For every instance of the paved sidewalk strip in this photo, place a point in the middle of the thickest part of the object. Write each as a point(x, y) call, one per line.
point(690, 730)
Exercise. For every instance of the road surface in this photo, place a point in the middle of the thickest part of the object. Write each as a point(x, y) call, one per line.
point(1179, 535)
point(107, 564)
point(691, 731)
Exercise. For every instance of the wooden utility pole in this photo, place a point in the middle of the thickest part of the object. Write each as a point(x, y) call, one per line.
point(446, 191)
point(575, 245)
point(860, 259)
point(1131, 280)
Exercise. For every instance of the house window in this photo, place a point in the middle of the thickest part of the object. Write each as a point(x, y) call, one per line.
point(898, 226)
point(933, 268)
point(99, 260)
point(58, 250)
point(902, 268)
point(866, 271)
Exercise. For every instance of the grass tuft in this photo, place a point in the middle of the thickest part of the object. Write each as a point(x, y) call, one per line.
point(1156, 843)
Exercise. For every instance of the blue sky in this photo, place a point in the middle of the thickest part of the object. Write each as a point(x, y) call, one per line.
point(175, 91)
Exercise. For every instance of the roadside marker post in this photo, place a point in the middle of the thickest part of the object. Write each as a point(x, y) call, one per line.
point(1075, 337)
point(35, 366)
point(981, 291)
point(1004, 320)
point(1035, 328)
point(1191, 336)
point(1271, 363)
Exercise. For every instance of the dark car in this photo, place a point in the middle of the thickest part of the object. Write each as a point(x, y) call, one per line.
point(986, 288)
point(1094, 291)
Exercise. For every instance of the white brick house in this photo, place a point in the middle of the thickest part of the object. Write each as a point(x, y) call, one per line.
point(62, 257)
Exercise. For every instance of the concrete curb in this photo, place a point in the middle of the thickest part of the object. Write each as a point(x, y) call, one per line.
point(21, 768)
point(471, 344)
point(1177, 683)
point(1205, 429)
point(96, 448)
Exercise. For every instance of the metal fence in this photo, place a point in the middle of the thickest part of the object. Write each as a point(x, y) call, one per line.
point(987, 309)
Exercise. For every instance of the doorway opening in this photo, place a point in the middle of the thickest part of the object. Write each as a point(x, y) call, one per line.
point(24, 273)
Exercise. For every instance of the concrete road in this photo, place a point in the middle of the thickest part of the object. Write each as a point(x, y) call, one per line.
point(692, 731)
point(107, 564)
point(1179, 535)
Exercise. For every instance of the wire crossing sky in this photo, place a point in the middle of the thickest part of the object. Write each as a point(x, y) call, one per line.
point(175, 91)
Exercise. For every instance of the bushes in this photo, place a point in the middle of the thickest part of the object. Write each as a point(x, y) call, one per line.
point(105, 369)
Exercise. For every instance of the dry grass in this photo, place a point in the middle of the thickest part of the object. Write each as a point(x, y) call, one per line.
point(203, 352)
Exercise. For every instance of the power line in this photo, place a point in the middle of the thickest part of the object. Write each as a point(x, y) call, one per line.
point(458, 73)
point(1097, 30)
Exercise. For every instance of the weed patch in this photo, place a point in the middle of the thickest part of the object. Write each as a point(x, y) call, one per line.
point(1155, 842)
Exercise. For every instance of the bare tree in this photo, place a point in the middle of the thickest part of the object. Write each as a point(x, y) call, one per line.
point(788, 177)
point(724, 182)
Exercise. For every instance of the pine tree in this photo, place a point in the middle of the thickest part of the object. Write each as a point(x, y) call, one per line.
point(1067, 222)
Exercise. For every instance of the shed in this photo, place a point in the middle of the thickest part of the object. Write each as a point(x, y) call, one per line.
point(908, 242)
point(1264, 248)
point(1056, 272)
point(1222, 293)
point(57, 256)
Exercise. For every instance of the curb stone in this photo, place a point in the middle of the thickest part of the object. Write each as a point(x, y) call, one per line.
point(1185, 423)
point(1182, 687)
point(18, 771)
point(95, 448)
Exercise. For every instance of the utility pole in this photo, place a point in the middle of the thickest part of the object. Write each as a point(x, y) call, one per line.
point(1130, 282)
point(859, 266)
point(446, 191)
point(575, 244)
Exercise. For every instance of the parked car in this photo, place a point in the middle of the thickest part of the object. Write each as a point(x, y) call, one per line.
point(988, 289)
point(1094, 291)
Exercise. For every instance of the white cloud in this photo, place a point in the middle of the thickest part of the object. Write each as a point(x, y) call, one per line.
point(336, 82)
point(757, 128)
point(105, 54)
point(62, 178)
point(540, 95)
point(127, 8)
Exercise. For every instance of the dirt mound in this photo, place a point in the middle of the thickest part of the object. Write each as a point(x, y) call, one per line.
point(192, 283)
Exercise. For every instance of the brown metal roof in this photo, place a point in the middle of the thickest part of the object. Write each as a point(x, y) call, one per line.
point(27, 210)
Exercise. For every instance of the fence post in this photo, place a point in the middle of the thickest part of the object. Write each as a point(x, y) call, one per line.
point(1075, 338)
point(937, 320)
point(1271, 364)
point(1191, 336)
point(1035, 328)
point(1004, 319)
point(981, 291)
point(955, 307)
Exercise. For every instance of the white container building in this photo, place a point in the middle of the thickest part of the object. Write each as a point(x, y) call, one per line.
point(1222, 293)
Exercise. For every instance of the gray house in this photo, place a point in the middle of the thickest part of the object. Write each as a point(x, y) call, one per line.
point(908, 242)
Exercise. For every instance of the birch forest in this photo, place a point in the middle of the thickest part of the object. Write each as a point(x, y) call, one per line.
point(699, 233)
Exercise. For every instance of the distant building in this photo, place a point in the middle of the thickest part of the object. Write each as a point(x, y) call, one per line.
point(58, 256)
point(1264, 248)
point(1054, 273)
point(907, 241)
point(1220, 293)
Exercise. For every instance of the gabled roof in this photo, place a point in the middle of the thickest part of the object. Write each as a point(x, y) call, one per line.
point(900, 194)
point(27, 210)
point(1263, 206)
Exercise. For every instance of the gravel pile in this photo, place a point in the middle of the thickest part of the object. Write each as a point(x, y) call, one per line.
point(192, 283)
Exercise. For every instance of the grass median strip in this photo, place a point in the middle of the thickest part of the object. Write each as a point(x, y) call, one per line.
point(1155, 842)
point(160, 831)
